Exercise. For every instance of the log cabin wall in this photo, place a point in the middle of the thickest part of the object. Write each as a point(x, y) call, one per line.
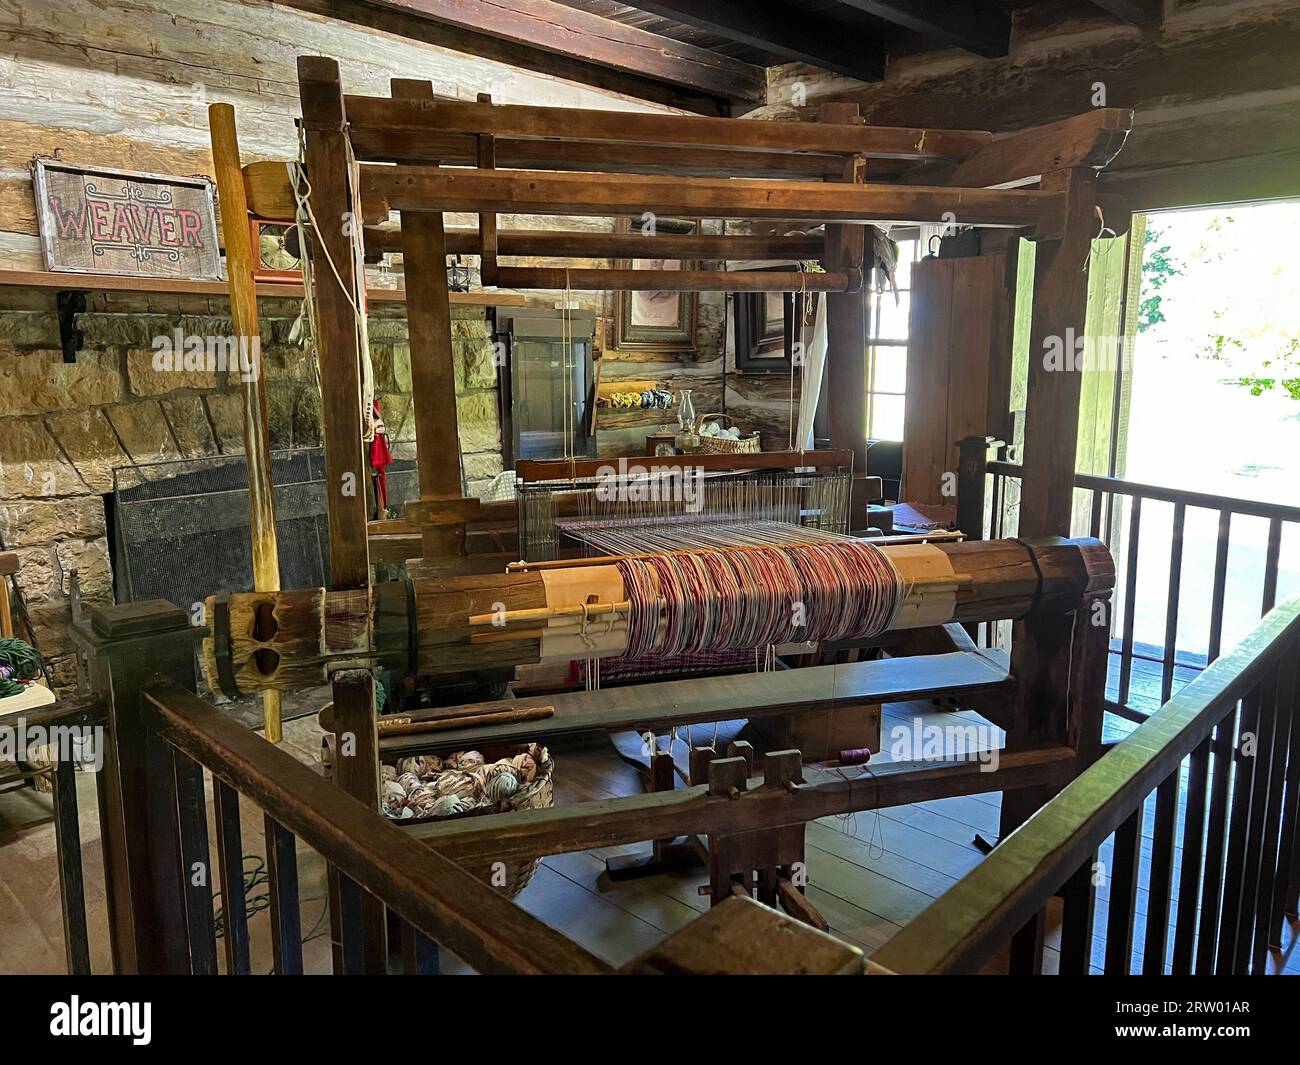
point(1215, 88)
point(126, 84)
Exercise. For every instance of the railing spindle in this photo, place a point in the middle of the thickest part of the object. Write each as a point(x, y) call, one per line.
point(1170, 655)
point(352, 926)
point(1270, 564)
point(1267, 853)
point(1220, 586)
point(1130, 601)
point(196, 864)
point(1125, 860)
point(1259, 799)
point(286, 913)
point(1094, 522)
point(1189, 874)
point(230, 863)
point(1238, 826)
point(1079, 895)
point(1222, 797)
point(1160, 885)
point(1288, 859)
point(419, 952)
point(72, 884)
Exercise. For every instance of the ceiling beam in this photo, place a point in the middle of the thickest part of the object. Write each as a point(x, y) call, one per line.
point(1138, 12)
point(977, 27)
point(568, 31)
point(570, 68)
point(791, 35)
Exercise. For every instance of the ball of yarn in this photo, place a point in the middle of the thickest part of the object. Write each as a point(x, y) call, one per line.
point(525, 768)
point(500, 788)
point(450, 805)
point(432, 766)
point(421, 795)
point(412, 764)
point(465, 760)
point(408, 781)
point(457, 784)
point(388, 772)
point(393, 790)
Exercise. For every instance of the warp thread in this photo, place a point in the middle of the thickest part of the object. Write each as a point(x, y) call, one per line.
point(758, 597)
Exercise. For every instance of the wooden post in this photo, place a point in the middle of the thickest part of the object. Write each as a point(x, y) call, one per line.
point(487, 221)
point(846, 334)
point(973, 454)
point(339, 298)
point(433, 375)
point(1052, 401)
point(127, 647)
point(252, 385)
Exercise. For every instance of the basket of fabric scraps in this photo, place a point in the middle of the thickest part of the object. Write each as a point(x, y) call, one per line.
point(430, 787)
point(719, 436)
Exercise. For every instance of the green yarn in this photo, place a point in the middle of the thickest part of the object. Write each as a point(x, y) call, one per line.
point(20, 662)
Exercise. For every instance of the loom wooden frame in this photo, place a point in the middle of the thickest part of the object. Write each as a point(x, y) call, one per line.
point(447, 154)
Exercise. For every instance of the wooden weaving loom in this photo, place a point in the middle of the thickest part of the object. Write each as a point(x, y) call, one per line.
point(420, 157)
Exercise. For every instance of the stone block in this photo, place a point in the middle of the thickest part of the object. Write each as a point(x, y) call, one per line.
point(147, 381)
point(91, 444)
point(90, 558)
point(479, 422)
point(38, 521)
point(38, 382)
point(31, 463)
point(144, 432)
point(190, 425)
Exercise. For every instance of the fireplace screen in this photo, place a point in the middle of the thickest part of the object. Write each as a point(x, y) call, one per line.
point(180, 529)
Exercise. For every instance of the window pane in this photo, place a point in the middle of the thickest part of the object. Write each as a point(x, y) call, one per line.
point(886, 417)
point(893, 316)
point(889, 369)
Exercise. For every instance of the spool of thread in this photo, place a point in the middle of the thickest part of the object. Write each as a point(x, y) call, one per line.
point(855, 755)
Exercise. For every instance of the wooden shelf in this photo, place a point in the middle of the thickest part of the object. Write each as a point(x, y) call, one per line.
point(182, 287)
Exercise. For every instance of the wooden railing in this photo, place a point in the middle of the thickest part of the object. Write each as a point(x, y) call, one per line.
point(1231, 741)
point(193, 743)
point(988, 502)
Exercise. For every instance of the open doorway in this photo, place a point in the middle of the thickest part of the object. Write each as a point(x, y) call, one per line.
point(1205, 406)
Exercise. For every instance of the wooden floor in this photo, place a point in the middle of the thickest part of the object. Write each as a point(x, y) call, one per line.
point(868, 874)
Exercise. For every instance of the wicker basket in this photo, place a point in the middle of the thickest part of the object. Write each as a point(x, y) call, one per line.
point(536, 795)
point(712, 445)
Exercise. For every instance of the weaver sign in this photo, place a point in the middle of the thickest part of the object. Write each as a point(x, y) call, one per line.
point(119, 222)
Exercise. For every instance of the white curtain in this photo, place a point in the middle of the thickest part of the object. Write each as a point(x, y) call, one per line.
point(813, 370)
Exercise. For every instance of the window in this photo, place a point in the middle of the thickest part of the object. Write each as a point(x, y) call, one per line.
point(887, 323)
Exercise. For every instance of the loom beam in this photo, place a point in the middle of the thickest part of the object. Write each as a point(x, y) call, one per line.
point(299, 638)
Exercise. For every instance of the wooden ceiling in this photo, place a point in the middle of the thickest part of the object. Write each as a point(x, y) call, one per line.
point(703, 55)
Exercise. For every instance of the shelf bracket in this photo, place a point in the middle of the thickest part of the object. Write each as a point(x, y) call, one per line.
point(71, 302)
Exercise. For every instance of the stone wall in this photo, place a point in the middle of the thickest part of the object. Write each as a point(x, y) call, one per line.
point(64, 428)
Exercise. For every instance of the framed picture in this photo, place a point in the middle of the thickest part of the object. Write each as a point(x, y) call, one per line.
point(764, 333)
point(653, 320)
point(100, 221)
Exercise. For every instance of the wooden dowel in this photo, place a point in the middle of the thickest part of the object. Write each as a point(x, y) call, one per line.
point(407, 727)
point(252, 382)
